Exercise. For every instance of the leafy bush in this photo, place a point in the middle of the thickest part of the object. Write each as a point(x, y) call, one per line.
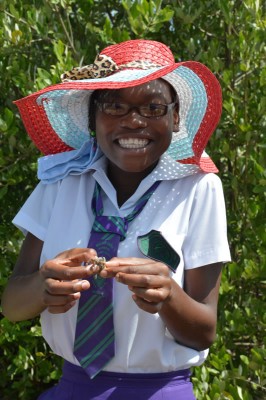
point(41, 39)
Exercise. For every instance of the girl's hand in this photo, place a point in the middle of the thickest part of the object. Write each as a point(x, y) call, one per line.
point(64, 277)
point(149, 280)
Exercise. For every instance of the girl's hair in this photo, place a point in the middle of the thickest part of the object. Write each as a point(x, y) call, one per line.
point(97, 95)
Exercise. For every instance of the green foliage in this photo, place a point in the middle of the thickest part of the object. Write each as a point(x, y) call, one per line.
point(40, 39)
point(30, 364)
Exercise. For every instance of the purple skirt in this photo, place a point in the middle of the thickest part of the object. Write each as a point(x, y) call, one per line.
point(76, 385)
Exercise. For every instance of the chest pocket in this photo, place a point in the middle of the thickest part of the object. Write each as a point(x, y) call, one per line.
point(154, 245)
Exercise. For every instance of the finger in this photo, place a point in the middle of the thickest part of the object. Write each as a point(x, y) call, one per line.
point(117, 262)
point(144, 305)
point(106, 273)
point(61, 309)
point(144, 281)
point(146, 269)
point(77, 254)
point(135, 266)
point(59, 300)
point(55, 287)
point(151, 295)
point(125, 261)
point(56, 270)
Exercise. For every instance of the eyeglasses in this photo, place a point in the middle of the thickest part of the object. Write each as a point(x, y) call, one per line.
point(117, 109)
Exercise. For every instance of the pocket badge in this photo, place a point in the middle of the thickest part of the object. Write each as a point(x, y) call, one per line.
point(153, 245)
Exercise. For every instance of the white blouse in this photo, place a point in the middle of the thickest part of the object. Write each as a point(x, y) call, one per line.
point(189, 212)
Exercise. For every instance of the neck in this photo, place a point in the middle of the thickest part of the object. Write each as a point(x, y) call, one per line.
point(125, 183)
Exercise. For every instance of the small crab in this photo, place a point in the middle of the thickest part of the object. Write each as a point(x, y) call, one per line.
point(97, 262)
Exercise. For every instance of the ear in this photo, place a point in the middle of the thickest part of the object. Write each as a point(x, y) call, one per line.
point(176, 117)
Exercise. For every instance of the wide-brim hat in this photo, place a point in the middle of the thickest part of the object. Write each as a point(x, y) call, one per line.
point(56, 118)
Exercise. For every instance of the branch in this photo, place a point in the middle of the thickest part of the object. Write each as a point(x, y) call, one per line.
point(69, 35)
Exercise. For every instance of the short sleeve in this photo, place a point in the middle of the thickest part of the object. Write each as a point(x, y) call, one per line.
point(206, 240)
point(35, 214)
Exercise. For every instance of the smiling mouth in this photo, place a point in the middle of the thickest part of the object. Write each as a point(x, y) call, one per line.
point(133, 143)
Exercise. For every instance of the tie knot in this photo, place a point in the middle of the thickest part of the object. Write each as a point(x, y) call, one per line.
point(115, 225)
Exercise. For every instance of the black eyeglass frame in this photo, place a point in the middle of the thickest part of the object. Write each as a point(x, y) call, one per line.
point(164, 107)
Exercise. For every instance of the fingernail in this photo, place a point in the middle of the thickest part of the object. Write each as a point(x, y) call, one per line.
point(81, 285)
point(85, 285)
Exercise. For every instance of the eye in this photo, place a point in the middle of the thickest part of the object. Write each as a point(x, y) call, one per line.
point(114, 108)
point(154, 110)
point(155, 107)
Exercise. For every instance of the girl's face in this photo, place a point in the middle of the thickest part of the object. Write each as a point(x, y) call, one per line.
point(132, 142)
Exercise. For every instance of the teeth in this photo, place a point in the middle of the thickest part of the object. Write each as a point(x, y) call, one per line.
point(133, 143)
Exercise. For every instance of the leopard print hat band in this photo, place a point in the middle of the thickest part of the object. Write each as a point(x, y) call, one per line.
point(103, 66)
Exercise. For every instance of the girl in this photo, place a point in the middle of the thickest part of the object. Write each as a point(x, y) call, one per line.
point(126, 232)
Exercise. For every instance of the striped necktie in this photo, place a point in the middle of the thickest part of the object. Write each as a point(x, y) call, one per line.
point(94, 339)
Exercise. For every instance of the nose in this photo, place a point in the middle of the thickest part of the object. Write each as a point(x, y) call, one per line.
point(133, 120)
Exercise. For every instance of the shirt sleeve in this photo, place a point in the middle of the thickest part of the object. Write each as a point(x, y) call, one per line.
point(35, 214)
point(206, 240)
